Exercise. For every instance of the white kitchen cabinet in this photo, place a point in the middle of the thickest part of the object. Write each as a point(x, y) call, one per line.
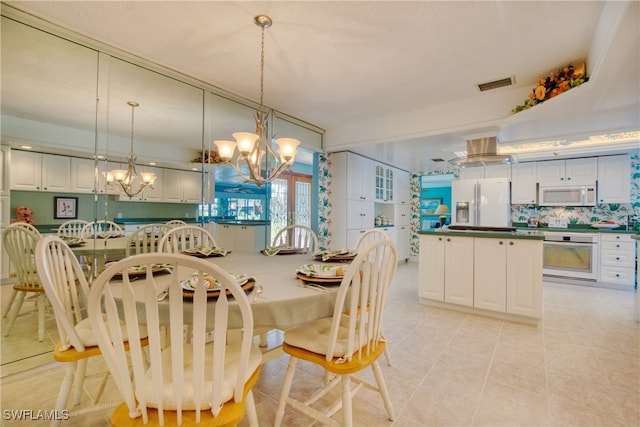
point(5, 168)
point(40, 172)
point(360, 176)
point(360, 214)
point(490, 277)
point(523, 183)
point(238, 237)
point(498, 171)
point(617, 259)
point(182, 186)
point(402, 215)
point(82, 175)
point(614, 179)
point(384, 183)
point(403, 237)
point(458, 270)
point(494, 274)
point(508, 276)
point(431, 267)
point(568, 172)
point(524, 277)
point(402, 183)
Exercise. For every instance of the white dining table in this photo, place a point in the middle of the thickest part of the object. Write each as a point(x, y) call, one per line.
point(285, 300)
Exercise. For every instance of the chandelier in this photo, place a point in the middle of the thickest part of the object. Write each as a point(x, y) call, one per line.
point(255, 150)
point(130, 181)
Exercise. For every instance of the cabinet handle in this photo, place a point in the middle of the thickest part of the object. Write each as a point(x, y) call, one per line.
point(569, 179)
point(617, 246)
point(617, 258)
point(562, 179)
point(510, 243)
point(440, 239)
point(448, 239)
point(617, 274)
point(501, 242)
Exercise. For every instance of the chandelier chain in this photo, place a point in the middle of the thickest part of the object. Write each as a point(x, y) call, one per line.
point(262, 69)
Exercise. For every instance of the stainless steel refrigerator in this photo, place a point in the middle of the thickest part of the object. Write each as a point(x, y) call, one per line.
point(481, 202)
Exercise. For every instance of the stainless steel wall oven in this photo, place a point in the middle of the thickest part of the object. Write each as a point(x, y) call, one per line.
point(571, 255)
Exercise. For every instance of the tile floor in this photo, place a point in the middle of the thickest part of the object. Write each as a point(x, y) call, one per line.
point(579, 367)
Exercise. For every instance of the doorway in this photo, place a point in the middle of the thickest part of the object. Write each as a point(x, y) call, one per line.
point(290, 201)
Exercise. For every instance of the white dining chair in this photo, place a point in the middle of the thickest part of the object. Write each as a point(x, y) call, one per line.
point(346, 343)
point(297, 236)
point(67, 290)
point(371, 235)
point(101, 228)
point(179, 239)
point(19, 240)
point(175, 223)
point(145, 239)
point(72, 228)
point(192, 382)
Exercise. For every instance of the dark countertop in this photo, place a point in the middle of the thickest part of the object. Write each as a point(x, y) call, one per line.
point(242, 222)
point(518, 234)
point(575, 228)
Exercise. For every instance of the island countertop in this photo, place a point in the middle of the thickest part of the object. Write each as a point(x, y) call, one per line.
point(518, 234)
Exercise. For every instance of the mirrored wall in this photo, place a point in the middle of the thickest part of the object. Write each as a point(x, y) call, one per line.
point(67, 96)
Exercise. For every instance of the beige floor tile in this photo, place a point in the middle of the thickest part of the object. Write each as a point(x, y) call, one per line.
point(580, 366)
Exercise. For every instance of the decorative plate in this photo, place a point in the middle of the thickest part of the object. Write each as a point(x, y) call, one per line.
point(325, 280)
point(73, 242)
point(201, 252)
point(141, 270)
point(247, 283)
point(605, 225)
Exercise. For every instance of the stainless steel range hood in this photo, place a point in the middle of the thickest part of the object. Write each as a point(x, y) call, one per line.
point(482, 152)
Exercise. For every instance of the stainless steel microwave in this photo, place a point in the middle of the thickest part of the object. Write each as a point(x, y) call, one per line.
point(567, 195)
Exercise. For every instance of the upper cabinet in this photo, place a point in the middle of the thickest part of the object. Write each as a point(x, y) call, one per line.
point(614, 181)
point(494, 171)
point(40, 172)
point(361, 177)
point(384, 183)
point(568, 172)
point(523, 183)
point(402, 182)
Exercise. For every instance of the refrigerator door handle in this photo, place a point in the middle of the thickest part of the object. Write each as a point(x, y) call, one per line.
point(476, 204)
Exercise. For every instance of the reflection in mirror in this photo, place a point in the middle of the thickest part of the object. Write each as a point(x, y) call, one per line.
point(48, 103)
point(48, 90)
point(168, 122)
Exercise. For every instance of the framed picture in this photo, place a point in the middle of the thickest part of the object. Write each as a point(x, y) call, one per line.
point(429, 206)
point(65, 208)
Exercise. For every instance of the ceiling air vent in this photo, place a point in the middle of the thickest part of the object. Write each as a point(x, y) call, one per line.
point(483, 87)
point(437, 160)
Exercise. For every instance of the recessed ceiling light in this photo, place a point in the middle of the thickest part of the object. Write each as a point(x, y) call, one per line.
point(26, 147)
point(152, 163)
point(194, 169)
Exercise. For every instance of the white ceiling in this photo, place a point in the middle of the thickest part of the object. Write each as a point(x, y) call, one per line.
point(393, 80)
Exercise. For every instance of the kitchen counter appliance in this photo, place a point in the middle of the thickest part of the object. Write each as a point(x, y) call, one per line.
point(571, 255)
point(567, 195)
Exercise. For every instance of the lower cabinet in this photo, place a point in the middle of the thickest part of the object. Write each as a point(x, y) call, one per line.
point(500, 275)
point(237, 237)
point(617, 259)
point(446, 269)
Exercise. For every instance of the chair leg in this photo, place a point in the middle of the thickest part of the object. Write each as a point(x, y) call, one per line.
point(41, 307)
point(286, 387)
point(80, 375)
point(382, 388)
point(347, 411)
point(14, 312)
point(387, 355)
point(7, 307)
point(65, 390)
point(250, 405)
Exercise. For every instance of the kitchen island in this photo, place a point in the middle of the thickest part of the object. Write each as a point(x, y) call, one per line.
point(494, 273)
